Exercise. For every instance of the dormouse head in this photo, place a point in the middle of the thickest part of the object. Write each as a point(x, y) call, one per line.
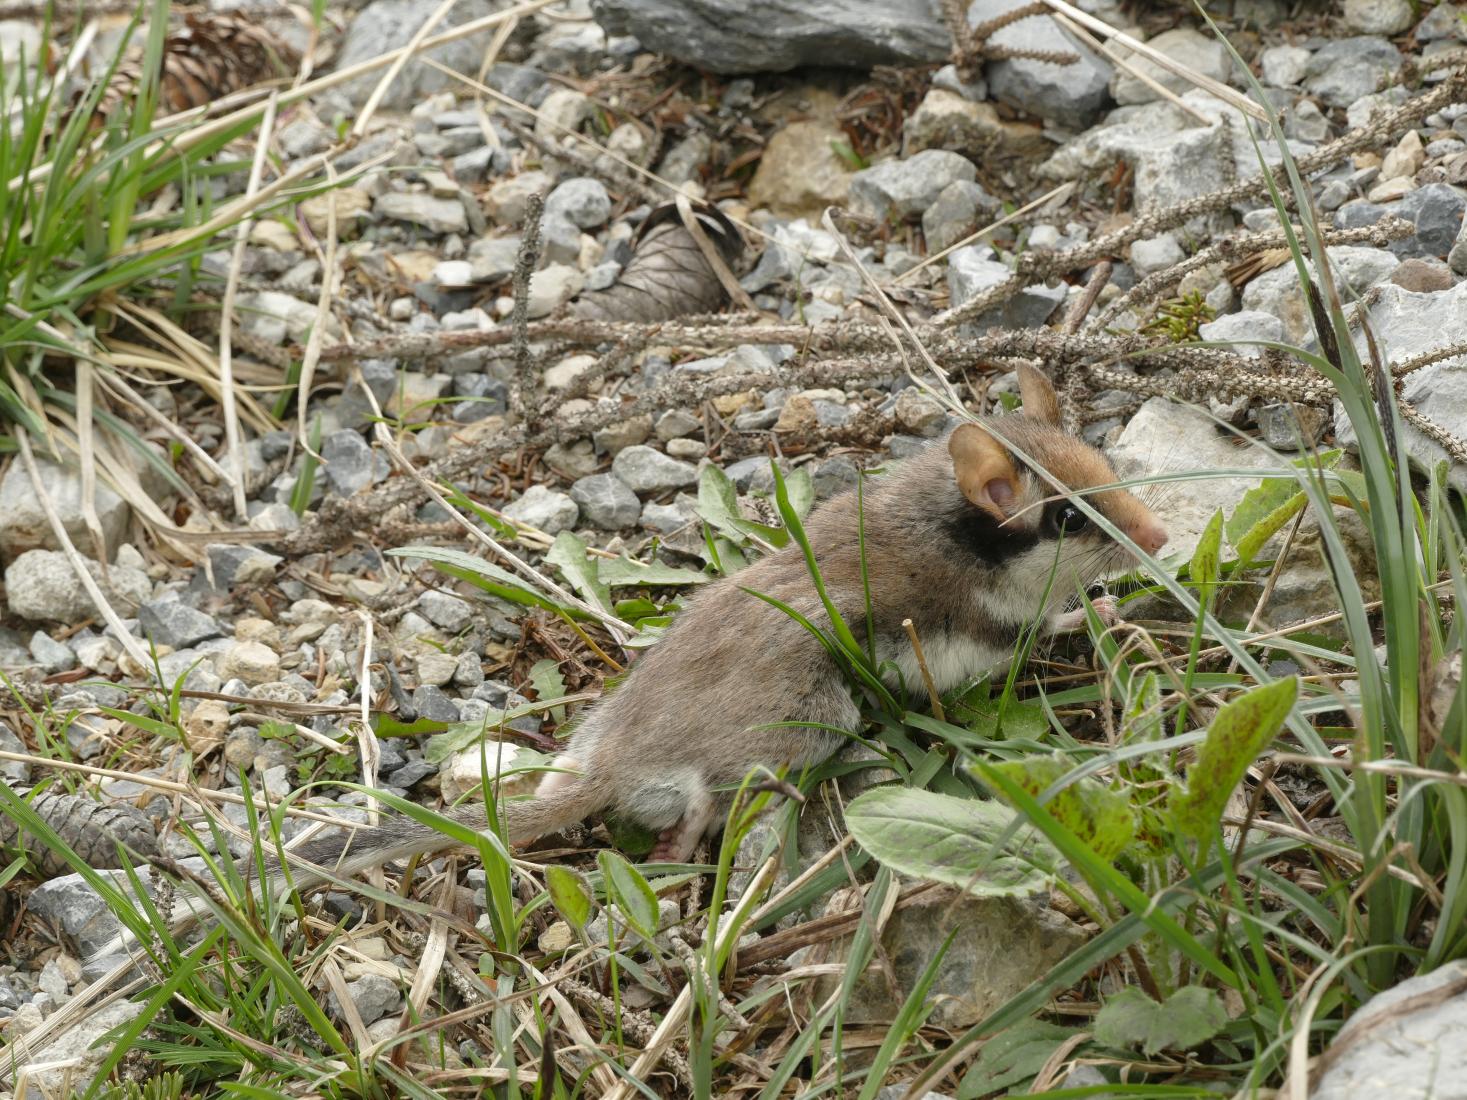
point(1019, 522)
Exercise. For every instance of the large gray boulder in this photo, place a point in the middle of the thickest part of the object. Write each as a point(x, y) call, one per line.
point(1405, 1043)
point(1407, 324)
point(748, 36)
point(385, 25)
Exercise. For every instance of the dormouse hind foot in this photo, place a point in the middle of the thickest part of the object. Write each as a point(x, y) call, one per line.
point(676, 845)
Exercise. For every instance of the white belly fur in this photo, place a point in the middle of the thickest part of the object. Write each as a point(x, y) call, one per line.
point(951, 659)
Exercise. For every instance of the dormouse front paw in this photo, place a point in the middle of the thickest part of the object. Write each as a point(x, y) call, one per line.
point(1106, 608)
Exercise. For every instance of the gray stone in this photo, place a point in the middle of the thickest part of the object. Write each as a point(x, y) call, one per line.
point(26, 526)
point(751, 474)
point(1389, 17)
point(434, 704)
point(1442, 21)
point(1072, 95)
point(945, 120)
point(1150, 445)
point(15, 772)
point(918, 413)
point(373, 995)
point(1244, 326)
point(676, 423)
point(955, 213)
point(948, 80)
point(1407, 324)
point(1001, 945)
point(1436, 210)
point(1174, 157)
point(231, 565)
point(1153, 254)
point(1390, 1048)
point(385, 25)
point(748, 36)
point(582, 201)
point(970, 272)
point(72, 905)
point(1457, 257)
point(668, 519)
point(834, 476)
point(40, 585)
point(905, 188)
point(551, 287)
point(1306, 122)
point(1277, 291)
point(350, 464)
point(1291, 427)
point(645, 469)
point(1200, 53)
point(618, 436)
point(68, 1064)
point(509, 199)
point(487, 396)
point(606, 502)
point(1348, 68)
point(542, 507)
point(1285, 66)
point(169, 622)
point(446, 611)
point(420, 208)
point(51, 655)
point(575, 459)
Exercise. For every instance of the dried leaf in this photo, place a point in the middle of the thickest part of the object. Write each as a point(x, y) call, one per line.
point(668, 275)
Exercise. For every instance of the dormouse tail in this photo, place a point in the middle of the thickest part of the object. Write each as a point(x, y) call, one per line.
point(401, 838)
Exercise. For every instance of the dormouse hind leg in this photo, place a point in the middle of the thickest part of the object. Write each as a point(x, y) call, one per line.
point(676, 844)
point(556, 780)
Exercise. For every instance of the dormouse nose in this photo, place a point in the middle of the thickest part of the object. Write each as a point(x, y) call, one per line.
point(1150, 535)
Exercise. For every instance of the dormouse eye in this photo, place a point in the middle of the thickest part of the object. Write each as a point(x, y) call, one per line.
point(1070, 519)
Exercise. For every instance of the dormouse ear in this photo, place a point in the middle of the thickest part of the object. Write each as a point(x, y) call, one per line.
point(985, 472)
point(1037, 393)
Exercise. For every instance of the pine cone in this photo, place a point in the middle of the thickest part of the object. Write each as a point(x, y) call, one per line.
point(209, 57)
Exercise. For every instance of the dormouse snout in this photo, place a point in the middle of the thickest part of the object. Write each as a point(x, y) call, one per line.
point(1149, 534)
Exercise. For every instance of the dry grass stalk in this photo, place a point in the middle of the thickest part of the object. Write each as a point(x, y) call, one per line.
point(226, 319)
point(1206, 83)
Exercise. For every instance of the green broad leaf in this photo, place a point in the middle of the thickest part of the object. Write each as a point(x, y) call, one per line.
point(482, 574)
point(451, 741)
point(631, 892)
point(1098, 816)
point(1269, 505)
point(801, 490)
point(1143, 718)
point(569, 554)
point(385, 725)
point(570, 893)
point(718, 504)
point(1184, 1021)
point(1241, 730)
point(1021, 720)
point(460, 735)
point(950, 840)
point(1207, 559)
point(1012, 1057)
point(623, 572)
point(548, 683)
point(1267, 525)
